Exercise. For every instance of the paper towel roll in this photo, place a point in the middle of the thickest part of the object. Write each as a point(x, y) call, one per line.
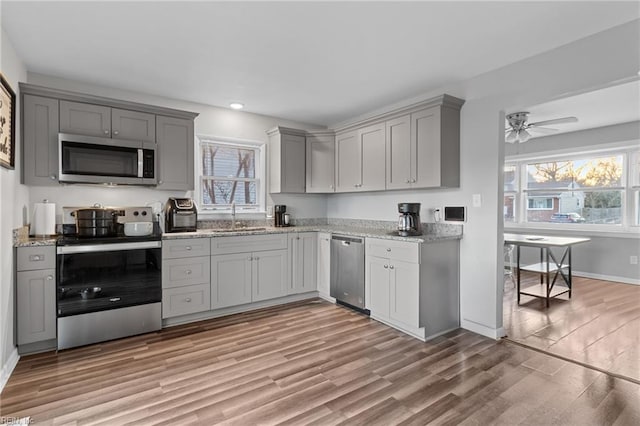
point(44, 219)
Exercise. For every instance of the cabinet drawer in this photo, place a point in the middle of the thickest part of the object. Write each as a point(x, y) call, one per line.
point(34, 258)
point(248, 243)
point(396, 250)
point(191, 247)
point(185, 271)
point(185, 300)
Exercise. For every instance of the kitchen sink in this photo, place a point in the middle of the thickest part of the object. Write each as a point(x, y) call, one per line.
point(243, 229)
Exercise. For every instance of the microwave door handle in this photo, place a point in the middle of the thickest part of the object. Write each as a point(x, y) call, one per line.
point(140, 162)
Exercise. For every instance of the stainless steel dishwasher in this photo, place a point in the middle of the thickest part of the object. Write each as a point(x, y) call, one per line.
point(347, 270)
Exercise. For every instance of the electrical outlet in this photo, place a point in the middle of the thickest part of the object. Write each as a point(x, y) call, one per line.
point(633, 260)
point(477, 200)
point(269, 211)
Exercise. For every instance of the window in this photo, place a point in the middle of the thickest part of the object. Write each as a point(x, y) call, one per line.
point(230, 172)
point(581, 189)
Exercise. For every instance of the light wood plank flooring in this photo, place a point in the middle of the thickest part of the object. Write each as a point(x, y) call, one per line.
point(598, 326)
point(311, 363)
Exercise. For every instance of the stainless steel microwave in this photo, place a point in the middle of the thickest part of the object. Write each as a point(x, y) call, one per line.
point(88, 159)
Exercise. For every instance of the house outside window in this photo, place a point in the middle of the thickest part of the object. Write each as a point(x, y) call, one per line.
point(231, 172)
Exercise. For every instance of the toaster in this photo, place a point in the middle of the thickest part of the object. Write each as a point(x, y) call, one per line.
point(180, 215)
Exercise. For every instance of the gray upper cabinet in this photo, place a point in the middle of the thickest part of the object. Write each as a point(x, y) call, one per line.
point(40, 125)
point(85, 119)
point(47, 112)
point(320, 162)
point(348, 162)
point(399, 154)
point(372, 148)
point(133, 125)
point(175, 144)
point(286, 160)
point(98, 120)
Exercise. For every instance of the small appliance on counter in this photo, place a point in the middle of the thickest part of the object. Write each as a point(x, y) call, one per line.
point(181, 215)
point(280, 214)
point(409, 220)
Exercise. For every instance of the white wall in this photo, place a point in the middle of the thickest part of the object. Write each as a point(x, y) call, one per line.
point(212, 121)
point(586, 64)
point(14, 199)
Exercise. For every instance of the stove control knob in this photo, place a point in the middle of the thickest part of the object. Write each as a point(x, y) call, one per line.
point(135, 213)
point(144, 213)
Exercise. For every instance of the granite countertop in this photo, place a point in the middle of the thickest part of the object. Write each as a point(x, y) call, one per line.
point(334, 229)
point(21, 238)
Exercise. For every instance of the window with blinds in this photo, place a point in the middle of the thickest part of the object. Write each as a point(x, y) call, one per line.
point(230, 173)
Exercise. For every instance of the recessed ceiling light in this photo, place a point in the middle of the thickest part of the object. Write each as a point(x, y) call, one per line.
point(236, 105)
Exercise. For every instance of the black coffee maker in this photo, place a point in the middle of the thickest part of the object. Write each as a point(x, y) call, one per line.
point(279, 212)
point(409, 221)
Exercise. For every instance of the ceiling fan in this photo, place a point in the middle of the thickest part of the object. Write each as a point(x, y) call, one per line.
point(519, 128)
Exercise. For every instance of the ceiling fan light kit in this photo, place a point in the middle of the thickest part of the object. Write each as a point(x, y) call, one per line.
point(518, 130)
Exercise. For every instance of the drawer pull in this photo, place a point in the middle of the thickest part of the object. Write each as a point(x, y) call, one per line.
point(389, 249)
point(386, 266)
point(49, 277)
point(188, 248)
point(188, 272)
point(36, 257)
point(188, 299)
point(390, 266)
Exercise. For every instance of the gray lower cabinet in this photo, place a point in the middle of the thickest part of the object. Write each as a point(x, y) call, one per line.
point(413, 287)
point(186, 277)
point(324, 264)
point(231, 279)
point(269, 275)
point(303, 264)
point(40, 125)
point(175, 144)
point(36, 298)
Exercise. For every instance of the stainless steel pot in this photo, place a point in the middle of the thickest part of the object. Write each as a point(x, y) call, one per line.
point(95, 222)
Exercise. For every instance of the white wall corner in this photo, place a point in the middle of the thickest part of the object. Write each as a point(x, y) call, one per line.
point(8, 367)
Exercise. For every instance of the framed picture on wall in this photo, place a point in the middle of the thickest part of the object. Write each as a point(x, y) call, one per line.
point(7, 124)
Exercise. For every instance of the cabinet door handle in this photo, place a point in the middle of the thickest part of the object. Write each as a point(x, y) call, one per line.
point(160, 182)
point(413, 181)
point(330, 186)
point(390, 266)
point(115, 132)
point(36, 258)
point(249, 259)
point(386, 266)
point(389, 249)
point(256, 258)
point(188, 271)
point(49, 277)
point(407, 181)
point(188, 299)
point(106, 132)
point(52, 177)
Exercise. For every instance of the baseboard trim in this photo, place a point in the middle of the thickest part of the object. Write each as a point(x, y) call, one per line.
point(8, 368)
point(493, 333)
point(614, 278)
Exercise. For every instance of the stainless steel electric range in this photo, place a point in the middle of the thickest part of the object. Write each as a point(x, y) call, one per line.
point(108, 287)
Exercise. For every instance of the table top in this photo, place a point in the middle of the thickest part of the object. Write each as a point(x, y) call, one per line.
point(542, 240)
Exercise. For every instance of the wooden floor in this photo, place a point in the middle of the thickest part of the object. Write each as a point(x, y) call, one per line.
point(598, 326)
point(311, 363)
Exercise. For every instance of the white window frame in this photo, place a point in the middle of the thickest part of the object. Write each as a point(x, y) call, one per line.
point(546, 197)
point(630, 187)
point(260, 173)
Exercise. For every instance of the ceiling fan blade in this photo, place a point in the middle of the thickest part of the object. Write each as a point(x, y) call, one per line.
point(543, 130)
point(555, 121)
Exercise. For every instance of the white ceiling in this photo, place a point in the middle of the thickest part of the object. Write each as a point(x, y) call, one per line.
point(318, 63)
point(611, 105)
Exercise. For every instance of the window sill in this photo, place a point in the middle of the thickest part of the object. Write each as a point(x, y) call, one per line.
point(582, 230)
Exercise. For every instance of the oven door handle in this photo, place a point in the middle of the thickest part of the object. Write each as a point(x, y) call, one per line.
point(94, 248)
